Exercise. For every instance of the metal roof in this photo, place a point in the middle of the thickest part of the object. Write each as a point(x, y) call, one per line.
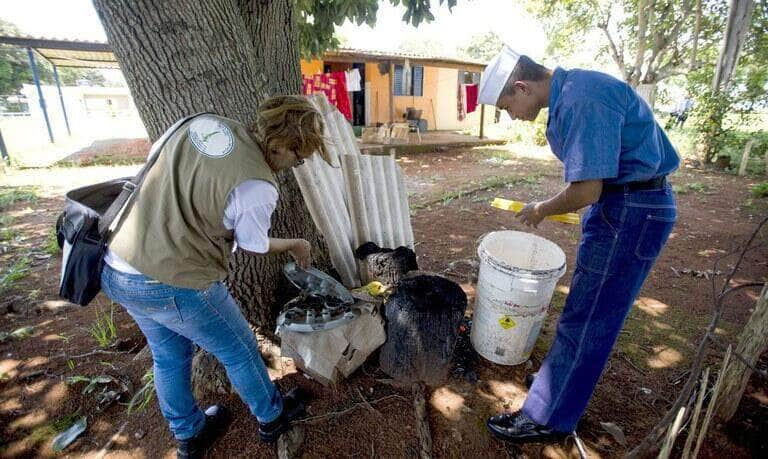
point(95, 54)
point(378, 55)
point(68, 53)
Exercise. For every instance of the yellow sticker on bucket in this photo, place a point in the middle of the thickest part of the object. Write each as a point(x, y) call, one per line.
point(506, 322)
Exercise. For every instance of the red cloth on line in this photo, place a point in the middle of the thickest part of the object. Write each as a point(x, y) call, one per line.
point(471, 91)
point(334, 85)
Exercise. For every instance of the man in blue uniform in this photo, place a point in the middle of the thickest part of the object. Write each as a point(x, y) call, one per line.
point(616, 160)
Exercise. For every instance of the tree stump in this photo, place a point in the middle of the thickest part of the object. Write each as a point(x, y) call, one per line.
point(386, 265)
point(423, 318)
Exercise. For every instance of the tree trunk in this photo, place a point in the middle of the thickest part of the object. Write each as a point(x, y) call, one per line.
point(752, 343)
point(186, 56)
point(739, 21)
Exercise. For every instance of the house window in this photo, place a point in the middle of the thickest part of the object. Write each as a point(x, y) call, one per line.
point(409, 83)
point(469, 77)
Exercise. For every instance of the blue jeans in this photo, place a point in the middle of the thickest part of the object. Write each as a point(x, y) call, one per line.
point(622, 234)
point(175, 319)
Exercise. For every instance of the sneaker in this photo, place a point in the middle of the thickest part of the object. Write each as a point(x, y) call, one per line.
point(216, 422)
point(518, 428)
point(293, 409)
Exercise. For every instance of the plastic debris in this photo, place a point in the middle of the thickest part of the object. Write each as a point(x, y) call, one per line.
point(64, 439)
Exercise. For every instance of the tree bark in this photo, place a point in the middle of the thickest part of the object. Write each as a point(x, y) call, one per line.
point(739, 20)
point(752, 343)
point(225, 56)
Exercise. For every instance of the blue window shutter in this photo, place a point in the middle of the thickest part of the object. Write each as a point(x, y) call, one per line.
point(418, 81)
point(399, 80)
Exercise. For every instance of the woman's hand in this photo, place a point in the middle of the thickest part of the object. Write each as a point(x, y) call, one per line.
point(301, 251)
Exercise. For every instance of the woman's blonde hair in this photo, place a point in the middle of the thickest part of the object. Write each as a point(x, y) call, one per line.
point(291, 122)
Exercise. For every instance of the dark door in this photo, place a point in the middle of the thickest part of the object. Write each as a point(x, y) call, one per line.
point(358, 97)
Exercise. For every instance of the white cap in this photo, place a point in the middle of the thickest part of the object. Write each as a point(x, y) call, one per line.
point(496, 75)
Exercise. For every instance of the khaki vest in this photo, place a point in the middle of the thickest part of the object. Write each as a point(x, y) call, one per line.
point(174, 232)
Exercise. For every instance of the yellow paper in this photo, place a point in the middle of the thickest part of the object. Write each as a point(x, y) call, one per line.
point(517, 206)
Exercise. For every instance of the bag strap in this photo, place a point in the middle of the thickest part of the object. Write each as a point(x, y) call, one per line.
point(131, 186)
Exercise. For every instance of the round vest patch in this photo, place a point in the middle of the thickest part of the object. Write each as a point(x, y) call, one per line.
point(211, 137)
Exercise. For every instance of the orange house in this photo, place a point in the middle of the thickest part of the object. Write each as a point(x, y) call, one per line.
point(392, 82)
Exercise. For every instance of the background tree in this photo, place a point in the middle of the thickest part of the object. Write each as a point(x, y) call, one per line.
point(226, 56)
point(648, 40)
point(482, 47)
point(735, 81)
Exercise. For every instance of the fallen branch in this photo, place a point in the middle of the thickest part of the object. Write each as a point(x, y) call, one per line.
point(651, 441)
point(111, 441)
point(348, 410)
point(422, 421)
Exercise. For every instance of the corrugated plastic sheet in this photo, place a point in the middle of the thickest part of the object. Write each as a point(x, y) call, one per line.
point(362, 199)
point(323, 189)
point(377, 201)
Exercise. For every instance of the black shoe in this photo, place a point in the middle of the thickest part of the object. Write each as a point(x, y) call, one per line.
point(529, 380)
point(216, 421)
point(293, 408)
point(519, 428)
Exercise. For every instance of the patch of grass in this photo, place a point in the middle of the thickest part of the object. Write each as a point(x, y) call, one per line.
point(144, 395)
point(42, 433)
point(760, 190)
point(51, 246)
point(18, 271)
point(696, 187)
point(103, 329)
point(12, 195)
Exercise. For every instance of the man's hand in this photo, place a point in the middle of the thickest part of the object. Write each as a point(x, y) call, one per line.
point(531, 214)
point(301, 251)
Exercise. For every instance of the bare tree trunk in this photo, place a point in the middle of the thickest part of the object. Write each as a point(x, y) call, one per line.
point(739, 20)
point(752, 343)
point(696, 33)
point(185, 56)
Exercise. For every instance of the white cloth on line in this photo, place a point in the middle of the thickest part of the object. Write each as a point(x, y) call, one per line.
point(353, 80)
point(248, 212)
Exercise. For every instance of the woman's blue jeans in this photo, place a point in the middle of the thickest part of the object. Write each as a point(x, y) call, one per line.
point(622, 234)
point(175, 319)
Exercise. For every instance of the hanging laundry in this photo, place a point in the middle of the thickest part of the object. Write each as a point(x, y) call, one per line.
point(334, 85)
point(353, 80)
point(461, 103)
point(471, 100)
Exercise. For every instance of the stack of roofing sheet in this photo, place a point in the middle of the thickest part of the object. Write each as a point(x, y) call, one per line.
point(362, 199)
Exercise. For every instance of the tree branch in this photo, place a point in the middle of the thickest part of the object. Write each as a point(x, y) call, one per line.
point(650, 442)
point(618, 56)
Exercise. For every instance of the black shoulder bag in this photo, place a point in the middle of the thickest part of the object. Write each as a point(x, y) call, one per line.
point(84, 227)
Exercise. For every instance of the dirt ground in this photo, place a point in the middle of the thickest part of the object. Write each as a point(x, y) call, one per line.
point(364, 417)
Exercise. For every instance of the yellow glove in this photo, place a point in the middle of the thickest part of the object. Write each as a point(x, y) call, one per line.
point(374, 288)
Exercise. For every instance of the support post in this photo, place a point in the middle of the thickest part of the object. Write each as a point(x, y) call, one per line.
point(482, 120)
point(4, 150)
point(36, 77)
point(61, 99)
point(391, 92)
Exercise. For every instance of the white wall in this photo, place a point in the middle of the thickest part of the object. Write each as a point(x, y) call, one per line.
point(446, 104)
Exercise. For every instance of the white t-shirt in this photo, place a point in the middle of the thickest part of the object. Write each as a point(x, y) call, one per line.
point(248, 212)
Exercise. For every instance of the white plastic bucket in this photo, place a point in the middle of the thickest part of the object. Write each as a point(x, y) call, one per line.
point(518, 274)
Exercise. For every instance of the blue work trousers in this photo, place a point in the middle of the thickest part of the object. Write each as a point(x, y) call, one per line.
point(622, 234)
point(175, 319)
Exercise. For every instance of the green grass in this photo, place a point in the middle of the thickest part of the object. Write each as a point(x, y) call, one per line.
point(760, 190)
point(12, 195)
point(46, 431)
point(103, 329)
point(696, 187)
point(144, 395)
point(51, 245)
point(18, 271)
